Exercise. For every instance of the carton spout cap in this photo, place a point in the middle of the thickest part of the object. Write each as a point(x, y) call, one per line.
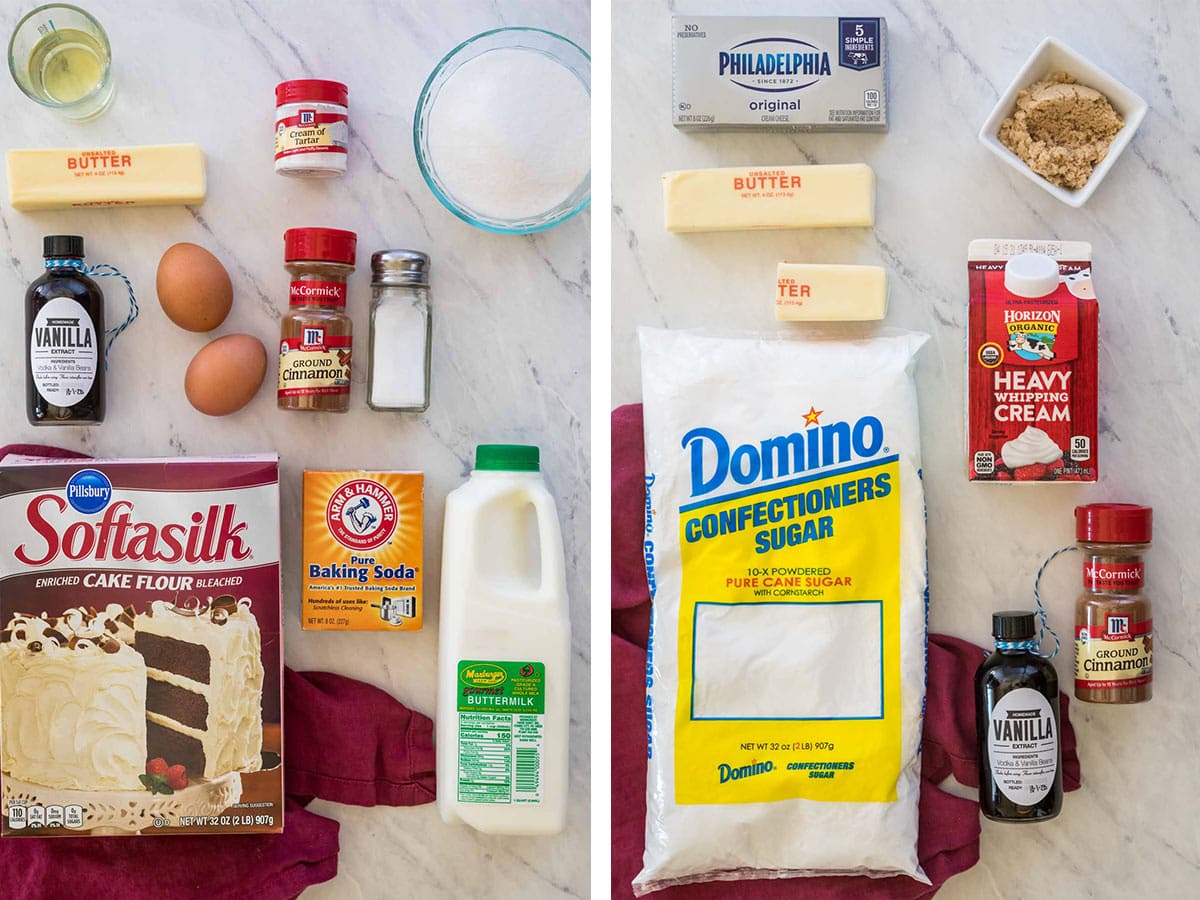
point(1031, 275)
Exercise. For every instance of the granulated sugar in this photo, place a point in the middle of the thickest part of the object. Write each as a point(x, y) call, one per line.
point(509, 133)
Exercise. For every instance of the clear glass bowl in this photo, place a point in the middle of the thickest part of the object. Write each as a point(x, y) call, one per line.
point(557, 48)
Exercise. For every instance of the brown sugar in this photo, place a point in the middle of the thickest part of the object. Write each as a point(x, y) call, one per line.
point(1061, 129)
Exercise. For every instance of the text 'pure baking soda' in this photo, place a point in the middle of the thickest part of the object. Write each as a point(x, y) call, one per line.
point(504, 651)
point(785, 552)
point(1032, 323)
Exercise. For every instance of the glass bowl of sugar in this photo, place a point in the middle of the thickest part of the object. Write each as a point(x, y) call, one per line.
point(502, 130)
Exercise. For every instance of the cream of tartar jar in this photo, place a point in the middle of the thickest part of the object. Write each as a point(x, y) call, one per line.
point(312, 128)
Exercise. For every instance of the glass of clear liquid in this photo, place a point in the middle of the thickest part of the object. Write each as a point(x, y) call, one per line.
point(60, 57)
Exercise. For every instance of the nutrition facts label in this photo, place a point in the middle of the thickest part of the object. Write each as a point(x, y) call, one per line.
point(499, 758)
point(23, 817)
point(501, 732)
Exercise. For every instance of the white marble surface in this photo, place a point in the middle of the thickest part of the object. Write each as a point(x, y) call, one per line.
point(510, 332)
point(1133, 825)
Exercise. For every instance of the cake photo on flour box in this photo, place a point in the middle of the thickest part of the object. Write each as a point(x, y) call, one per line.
point(140, 651)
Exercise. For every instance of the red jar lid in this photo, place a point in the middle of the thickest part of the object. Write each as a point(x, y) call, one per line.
point(310, 90)
point(1114, 523)
point(321, 244)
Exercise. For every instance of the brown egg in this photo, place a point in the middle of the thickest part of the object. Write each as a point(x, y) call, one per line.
point(226, 374)
point(194, 289)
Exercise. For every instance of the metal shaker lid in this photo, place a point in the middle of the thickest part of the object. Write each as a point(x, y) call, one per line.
point(400, 267)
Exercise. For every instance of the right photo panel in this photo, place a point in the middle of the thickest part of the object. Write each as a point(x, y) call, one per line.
point(903, 385)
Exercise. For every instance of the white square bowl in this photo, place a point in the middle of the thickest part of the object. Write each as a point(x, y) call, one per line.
point(1052, 55)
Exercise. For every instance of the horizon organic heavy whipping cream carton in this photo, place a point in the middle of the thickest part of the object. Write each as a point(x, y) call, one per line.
point(1032, 326)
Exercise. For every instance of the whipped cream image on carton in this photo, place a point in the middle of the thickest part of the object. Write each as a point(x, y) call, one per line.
point(1032, 326)
point(779, 73)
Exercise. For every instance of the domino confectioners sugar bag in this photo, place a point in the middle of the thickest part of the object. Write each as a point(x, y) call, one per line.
point(785, 550)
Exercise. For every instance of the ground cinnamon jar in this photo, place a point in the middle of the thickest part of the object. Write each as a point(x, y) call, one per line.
point(1113, 622)
point(315, 335)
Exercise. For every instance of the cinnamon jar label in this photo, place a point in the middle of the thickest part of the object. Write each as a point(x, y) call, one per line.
point(317, 293)
point(1117, 576)
point(314, 364)
point(1116, 653)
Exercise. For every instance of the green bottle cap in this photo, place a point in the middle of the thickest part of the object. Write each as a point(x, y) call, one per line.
point(507, 458)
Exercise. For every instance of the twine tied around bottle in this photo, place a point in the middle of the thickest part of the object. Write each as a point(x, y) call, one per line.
point(103, 270)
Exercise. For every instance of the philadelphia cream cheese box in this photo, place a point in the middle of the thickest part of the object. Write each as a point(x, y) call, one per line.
point(779, 73)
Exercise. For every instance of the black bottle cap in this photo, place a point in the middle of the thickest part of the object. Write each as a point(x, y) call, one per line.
point(62, 246)
point(1013, 625)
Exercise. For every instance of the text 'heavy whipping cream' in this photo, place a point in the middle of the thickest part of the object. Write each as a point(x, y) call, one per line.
point(1031, 362)
point(785, 553)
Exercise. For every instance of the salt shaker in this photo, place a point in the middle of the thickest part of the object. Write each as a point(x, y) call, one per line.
point(401, 328)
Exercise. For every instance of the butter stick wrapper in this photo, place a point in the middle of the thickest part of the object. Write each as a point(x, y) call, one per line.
point(156, 175)
point(769, 197)
point(818, 293)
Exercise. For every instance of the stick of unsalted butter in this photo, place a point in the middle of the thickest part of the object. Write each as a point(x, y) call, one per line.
point(760, 197)
point(818, 293)
point(155, 175)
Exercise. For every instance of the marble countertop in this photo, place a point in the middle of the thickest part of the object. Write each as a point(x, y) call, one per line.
point(1133, 825)
point(510, 346)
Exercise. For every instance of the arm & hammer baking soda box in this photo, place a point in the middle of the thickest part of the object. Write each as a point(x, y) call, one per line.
point(362, 551)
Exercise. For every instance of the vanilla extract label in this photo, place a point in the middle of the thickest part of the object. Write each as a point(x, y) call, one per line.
point(63, 352)
point(1023, 746)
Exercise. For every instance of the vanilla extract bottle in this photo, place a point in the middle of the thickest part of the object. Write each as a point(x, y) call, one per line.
point(1016, 716)
point(64, 327)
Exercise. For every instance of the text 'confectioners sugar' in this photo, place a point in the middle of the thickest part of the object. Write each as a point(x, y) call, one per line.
point(510, 133)
point(785, 552)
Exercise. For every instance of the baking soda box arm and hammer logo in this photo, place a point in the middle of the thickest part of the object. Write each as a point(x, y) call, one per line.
point(140, 647)
point(362, 551)
point(1032, 347)
point(785, 553)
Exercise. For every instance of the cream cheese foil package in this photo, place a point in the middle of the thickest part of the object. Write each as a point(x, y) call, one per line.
point(785, 552)
point(781, 73)
point(140, 647)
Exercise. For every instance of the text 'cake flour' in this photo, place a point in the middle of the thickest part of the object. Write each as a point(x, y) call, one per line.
point(785, 551)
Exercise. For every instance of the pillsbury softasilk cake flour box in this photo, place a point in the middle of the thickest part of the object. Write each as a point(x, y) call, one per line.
point(140, 647)
point(1032, 326)
point(779, 73)
point(362, 551)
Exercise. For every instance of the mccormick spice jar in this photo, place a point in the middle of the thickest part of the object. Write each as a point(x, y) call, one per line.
point(1114, 645)
point(312, 128)
point(315, 335)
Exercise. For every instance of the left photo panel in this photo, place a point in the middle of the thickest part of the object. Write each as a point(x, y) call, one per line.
point(295, 468)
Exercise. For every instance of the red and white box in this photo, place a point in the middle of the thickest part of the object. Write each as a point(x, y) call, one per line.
point(141, 650)
point(1032, 327)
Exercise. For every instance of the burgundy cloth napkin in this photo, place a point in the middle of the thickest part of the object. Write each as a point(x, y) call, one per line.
point(949, 826)
point(344, 741)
